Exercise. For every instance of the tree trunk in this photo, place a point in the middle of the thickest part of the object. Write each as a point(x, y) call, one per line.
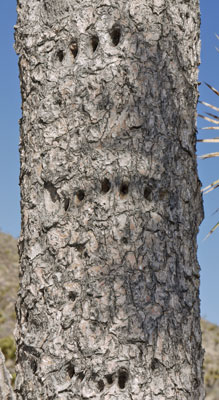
point(108, 306)
point(6, 390)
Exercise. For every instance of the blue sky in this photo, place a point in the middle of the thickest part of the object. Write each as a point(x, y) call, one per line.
point(209, 169)
point(10, 113)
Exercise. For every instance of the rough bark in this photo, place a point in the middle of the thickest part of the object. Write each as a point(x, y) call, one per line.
point(6, 390)
point(108, 306)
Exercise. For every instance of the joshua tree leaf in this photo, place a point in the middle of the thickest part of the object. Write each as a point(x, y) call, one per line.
point(214, 120)
point(210, 155)
point(209, 105)
point(212, 230)
point(212, 88)
point(216, 128)
point(213, 140)
point(208, 191)
point(208, 119)
point(213, 115)
point(211, 187)
point(215, 211)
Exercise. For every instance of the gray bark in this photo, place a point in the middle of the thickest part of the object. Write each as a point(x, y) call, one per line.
point(6, 390)
point(108, 306)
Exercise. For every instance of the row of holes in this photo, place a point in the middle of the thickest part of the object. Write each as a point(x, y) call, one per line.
point(122, 377)
point(105, 188)
point(124, 188)
point(115, 34)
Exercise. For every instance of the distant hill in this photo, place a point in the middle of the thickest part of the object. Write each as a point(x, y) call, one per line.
point(8, 293)
point(210, 340)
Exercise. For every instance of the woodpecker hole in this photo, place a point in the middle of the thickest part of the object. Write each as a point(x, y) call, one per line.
point(147, 193)
point(70, 370)
point(109, 379)
point(94, 42)
point(60, 55)
point(72, 296)
point(105, 185)
point(100, 384)
point(122, 379)
point(59, 102)
point(66, 204)
point(52, 191)
point(80, 195)
point(154, 364)
point(33, 366)
point(81, 376)
point(115, 34)
point(124, 188)
point(74, 48)
point(79, 246)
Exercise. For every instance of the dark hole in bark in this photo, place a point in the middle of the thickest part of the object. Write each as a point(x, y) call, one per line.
point(66, 204)
point(100, 384)
point(94, 42)
point(196, 383)
point(33, 366)
point(27, 316)
point(115, 34)
point(52, 191)
point(81, 376)
point(109, 379)
point(124, 188)
point(79, 246)
point(124, 240)
point(147, 193)
point(154, 364)
point(105, 185)
point(59, 102)
point(80, 195)
point(72, 296)
point(74, 48)
point(70, 370)
point(122, 379)
point(31, 350)
point(60, 55)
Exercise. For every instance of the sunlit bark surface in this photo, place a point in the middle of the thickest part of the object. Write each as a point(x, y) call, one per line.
point(108, 306)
